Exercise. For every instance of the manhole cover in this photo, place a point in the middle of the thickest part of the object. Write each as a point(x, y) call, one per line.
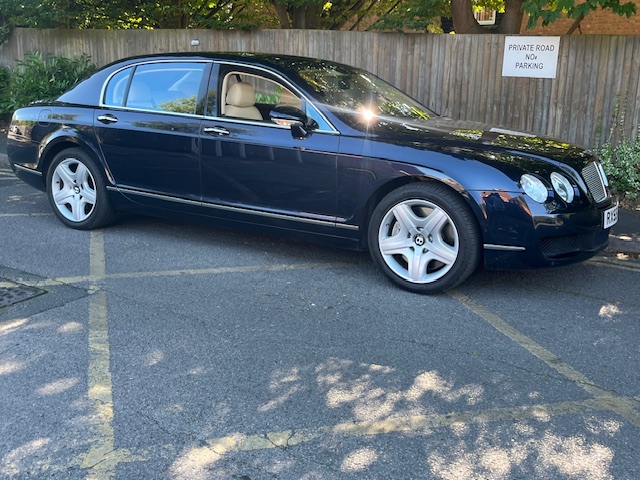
point(11, 292)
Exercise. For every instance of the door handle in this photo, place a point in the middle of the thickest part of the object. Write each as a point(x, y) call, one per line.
point(107, 119)
point(218, 130)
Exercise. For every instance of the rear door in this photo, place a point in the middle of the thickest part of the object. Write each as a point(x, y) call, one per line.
point(149, 126)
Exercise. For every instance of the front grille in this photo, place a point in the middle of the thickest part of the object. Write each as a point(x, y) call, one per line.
point(595, 182)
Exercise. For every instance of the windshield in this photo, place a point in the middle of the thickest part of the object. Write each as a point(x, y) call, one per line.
point(355, 94)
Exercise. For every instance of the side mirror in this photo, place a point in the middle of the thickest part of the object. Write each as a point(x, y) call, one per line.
point(287, 116)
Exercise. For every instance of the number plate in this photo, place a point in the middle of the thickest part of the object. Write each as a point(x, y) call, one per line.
point(610, 216)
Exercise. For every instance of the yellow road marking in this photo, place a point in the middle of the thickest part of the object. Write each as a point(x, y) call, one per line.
point(25, 214)
point(412, 424)
point(103, 458)
point(603, 398)
point(627, 265)
point(215, 448)
point(100, 382)
point(179, 273)
point(247, 269)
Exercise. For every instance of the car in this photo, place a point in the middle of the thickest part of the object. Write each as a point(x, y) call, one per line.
point(312, 150)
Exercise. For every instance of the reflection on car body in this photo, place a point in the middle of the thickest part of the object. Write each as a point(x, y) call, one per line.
point(313, 150)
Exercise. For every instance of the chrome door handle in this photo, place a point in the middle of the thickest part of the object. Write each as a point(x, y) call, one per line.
point(218, 130)
point(108, 118)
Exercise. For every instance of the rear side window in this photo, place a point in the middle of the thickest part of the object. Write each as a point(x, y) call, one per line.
point(117, 88)
point(164, 87)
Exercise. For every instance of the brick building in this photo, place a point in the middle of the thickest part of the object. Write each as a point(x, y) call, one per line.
point(602, 22)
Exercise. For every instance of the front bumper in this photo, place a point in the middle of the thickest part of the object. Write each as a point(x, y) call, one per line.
point(520, 234)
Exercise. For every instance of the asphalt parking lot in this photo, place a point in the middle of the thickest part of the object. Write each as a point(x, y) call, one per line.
point(153, 350)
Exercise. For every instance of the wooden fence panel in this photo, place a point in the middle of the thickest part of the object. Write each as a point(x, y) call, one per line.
point(595, 96)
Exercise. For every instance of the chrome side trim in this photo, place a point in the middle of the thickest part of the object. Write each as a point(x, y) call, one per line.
point(228, 208)
point(281, 216)
point(157, 112)
point(28, 170)
point(140, 193)
point(509, 248)
point(262, 124)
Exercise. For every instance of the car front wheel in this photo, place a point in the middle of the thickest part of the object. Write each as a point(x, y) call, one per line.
point(77, 191)
point(424, 238)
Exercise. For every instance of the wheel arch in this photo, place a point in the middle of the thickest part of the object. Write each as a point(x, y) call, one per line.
point(57, 143)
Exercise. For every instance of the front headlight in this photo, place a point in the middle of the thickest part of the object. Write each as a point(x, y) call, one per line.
point(562, 186)
point(534, 187)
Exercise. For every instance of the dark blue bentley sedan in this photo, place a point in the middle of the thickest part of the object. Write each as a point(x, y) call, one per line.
point(313, 150)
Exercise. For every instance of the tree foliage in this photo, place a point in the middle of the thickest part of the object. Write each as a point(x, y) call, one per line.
point(549, 11)
point(37, 77)
point(416, 15)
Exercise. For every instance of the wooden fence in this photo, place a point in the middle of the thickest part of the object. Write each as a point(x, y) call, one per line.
point(595, 96)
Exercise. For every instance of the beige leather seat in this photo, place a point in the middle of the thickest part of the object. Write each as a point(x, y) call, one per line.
point(240, 102)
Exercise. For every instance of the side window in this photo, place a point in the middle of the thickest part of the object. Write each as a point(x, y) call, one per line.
point(117, 88)
point(252, 97)
point(165, 87)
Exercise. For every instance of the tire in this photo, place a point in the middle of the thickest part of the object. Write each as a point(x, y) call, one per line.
point(424, 238)
point(77, 191)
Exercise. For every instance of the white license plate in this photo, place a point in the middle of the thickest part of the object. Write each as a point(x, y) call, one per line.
point(610, 216)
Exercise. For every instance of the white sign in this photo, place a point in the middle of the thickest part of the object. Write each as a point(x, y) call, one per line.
point(532, 57)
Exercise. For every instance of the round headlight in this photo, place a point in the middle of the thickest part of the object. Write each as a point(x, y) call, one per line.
point(562, 186)
point(534, 187)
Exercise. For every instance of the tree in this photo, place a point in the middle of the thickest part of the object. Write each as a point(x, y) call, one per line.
point(402, 15)
point(336, 15)
point(546, 10)
point(418, 15)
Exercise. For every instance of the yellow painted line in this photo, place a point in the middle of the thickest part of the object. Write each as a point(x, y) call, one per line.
point(412, 424)
point(11, 215)
point(186, 272)
point(12, 325)
point(199, 457)
point(628, 265)
point(223, 270)
point(100, 383)
point(603, 398)
point(100, 390)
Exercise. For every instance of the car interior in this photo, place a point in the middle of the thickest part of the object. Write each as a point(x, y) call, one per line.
point(252, 97)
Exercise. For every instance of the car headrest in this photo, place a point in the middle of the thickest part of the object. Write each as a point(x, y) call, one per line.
point(241, 95)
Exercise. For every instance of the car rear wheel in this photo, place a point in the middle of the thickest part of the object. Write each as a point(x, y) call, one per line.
point(77, 192)
point(424, 238)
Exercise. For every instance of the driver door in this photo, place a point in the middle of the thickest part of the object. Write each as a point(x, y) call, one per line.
point(256, 166)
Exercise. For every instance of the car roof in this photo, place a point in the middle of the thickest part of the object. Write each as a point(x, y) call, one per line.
point(265, 59)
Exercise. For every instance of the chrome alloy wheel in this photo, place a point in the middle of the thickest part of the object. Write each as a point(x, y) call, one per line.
point(418, 241)
point(73, 190)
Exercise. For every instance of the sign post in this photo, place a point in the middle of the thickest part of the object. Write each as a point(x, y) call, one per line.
point(532, 57)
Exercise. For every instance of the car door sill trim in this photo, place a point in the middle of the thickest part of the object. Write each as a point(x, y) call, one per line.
point(128, 191)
